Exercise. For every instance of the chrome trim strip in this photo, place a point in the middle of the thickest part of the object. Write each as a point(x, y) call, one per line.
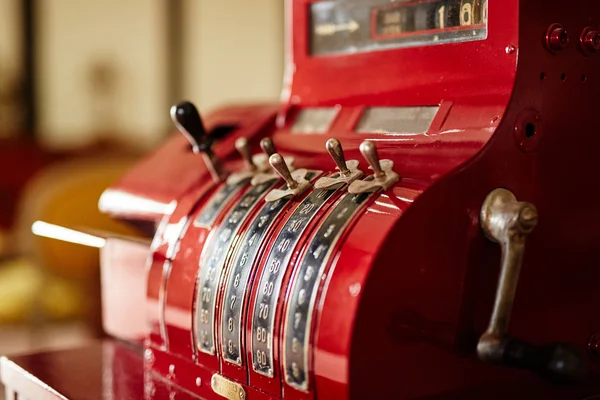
point(217, 202)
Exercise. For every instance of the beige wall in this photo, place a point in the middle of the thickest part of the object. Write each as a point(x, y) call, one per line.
point(10, 63)
point(233, 52)
point(10, 35)
point(75, 35)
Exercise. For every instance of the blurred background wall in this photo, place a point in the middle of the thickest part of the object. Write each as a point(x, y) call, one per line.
point(11, 63)
point(85, 91)
point(103, 68)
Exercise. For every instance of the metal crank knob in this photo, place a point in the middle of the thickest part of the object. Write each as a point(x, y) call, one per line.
point(279, 165)
point(334, 147)
point(241, 145)
point(383, 176)
point(186, 118)
point(262, 162)
point(251, 169)
point(348, 170)
point(369, 152)
point(267, 145)
point(296, 181)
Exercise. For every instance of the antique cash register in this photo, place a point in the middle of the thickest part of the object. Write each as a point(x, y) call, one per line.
point(417, 219)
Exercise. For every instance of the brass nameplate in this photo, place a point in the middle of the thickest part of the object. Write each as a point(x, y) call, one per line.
point(226, 388)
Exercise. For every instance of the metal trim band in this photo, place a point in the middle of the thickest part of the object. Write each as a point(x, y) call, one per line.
point(212, 262)
point(300, 307)
point(269, 287)
point(237, 281)
point(216, 204)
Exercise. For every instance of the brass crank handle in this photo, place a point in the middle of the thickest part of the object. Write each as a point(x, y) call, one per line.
point(507, 222)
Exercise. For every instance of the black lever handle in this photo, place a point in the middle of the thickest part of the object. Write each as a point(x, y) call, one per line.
point(559, 363)
point(187, 119)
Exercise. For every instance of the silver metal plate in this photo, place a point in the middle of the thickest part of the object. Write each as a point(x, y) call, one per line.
point(269, 286)
point(314, 120)
point(237, 281)
point(217, 202)
point(397, 120)
point(300, 307)
point(212, 261)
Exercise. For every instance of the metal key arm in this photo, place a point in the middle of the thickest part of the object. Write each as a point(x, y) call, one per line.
point(507, 222)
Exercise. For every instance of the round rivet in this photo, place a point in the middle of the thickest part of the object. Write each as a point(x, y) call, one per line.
point(557, 37)
point(593, 346)
point(172, 369)
point(354, 289)
point(510, 49)
point(198, 382)
point(590, 40)
point(149, 356)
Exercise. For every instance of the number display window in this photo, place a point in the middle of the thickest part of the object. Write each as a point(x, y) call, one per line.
point(343, 27)
point(314, 120)
point(397, 120)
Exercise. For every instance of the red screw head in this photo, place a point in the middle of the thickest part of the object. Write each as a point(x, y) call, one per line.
point(557, 37)
point(590, 40)
point(593, 346)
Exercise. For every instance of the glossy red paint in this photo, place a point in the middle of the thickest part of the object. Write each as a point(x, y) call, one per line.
point(163, 249)
point(106, 369)
point(411, 284)
point(173, 170)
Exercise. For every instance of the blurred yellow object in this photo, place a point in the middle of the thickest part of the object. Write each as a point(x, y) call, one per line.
point(24, 289)
point(67, 194)
point(62, 299)
point(57, 280)
point(20, 282)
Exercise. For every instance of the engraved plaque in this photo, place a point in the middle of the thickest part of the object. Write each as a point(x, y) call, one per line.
point(298, 315)
point(269, 286)
point(212, 262)
point(228, 389)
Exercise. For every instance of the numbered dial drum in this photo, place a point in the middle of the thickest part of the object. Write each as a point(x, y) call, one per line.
point(239, 276)
point(300, 307)
point(212, 262)
point(269, 284)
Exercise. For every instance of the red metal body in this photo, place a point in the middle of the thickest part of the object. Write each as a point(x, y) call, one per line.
point(412, 281)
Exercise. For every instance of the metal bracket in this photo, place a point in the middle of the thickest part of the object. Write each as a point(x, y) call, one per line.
point(372, 183)
point(267, 173)
point(352, 174)
point(299, 176)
